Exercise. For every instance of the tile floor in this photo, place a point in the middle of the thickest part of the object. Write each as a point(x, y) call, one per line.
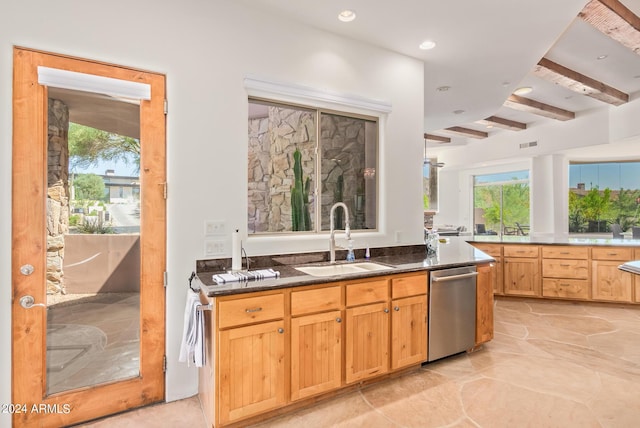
point(92, 340)
point(551, 364)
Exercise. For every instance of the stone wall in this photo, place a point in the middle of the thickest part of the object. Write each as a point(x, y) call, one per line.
point(57, 193)
point(272, 141)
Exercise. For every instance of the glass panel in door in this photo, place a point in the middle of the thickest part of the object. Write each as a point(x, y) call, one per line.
point(93, 240)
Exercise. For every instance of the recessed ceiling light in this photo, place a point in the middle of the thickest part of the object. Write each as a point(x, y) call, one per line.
point(347, 15)
point(458, 111)
point(489, 126)
point(427, 44)
point(602, 56)
point(523, 90)
point(444, 88)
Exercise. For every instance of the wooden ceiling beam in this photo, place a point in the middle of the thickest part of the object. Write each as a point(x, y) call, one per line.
point(466, 132)
point(436, 138)
point(585, 85)
point(541, 109)
point(614, 20)
point(503, 123)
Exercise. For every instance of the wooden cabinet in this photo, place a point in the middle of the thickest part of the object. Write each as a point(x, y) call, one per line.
point(636, 279)
point(496, 277)
point(484, 304)
point(565, 271)
point(271, 349)
point(521, 264)
point(408, 320)
point(608, 282)
point(367, 330)
point(316, 341)
point(251, 356)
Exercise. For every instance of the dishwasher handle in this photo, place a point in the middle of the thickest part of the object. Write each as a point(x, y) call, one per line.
point(453, 277)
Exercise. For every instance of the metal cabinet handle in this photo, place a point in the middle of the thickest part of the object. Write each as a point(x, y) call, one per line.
point(253, 310)
point(386, 310)
point(338, 319)
point(396, 308)
point(28, 302)
point(281, 330)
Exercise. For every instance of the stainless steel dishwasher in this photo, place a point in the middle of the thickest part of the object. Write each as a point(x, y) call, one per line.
point(452, 311)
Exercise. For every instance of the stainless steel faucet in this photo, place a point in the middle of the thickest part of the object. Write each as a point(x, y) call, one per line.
point(347, 230)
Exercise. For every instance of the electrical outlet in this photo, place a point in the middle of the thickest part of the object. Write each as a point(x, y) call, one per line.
point(213, 248)
point(214, 227)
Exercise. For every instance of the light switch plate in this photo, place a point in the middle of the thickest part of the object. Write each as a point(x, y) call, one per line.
point(214, 247)
point(215, 227)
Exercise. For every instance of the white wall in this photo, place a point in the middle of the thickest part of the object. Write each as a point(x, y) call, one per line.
point(206, 48)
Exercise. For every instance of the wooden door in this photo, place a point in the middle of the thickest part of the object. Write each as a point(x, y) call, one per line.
point(29, 243)
point(521, 277)
point(316, 354)
point(484, 304)
point(366, 341)
point(251, 370)
point(408, 331)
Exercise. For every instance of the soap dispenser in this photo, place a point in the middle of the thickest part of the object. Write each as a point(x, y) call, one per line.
point(350, 254)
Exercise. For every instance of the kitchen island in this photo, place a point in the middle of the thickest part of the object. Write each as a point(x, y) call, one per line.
point(278, 344)
point(563, 268)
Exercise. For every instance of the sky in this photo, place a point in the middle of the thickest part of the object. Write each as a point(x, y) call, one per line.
point(120, 168)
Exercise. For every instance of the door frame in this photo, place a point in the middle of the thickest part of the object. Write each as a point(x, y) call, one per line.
point(29, 192)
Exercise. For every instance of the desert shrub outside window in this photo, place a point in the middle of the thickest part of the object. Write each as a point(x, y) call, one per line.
point(302, 160)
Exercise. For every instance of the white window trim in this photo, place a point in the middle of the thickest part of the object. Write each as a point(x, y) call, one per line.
point(292, 93)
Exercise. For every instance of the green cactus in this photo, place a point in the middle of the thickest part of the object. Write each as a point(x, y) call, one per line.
point(300, 216)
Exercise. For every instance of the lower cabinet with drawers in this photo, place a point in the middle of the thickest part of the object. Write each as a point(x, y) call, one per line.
point(273, 349)
point(572, 272)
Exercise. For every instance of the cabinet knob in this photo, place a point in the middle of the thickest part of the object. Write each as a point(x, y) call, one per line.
point(338, 319)
point(386, 310)
point(281, 330)
point(396, 308)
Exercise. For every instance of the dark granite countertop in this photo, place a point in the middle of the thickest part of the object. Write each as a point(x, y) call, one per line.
point(454, 252)
point(624, 242)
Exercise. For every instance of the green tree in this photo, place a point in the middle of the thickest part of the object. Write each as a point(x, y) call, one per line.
point(576, 216)
point(89, 186)
point(596, 207)
point(88, 146)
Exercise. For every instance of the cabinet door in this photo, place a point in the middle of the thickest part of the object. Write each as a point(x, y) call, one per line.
point(484, 304)
point(316, 354)
point(408, 331)
point(366, 341)
point(251, 370)
point(497, 279)
point(522, 277)
point(610, 283)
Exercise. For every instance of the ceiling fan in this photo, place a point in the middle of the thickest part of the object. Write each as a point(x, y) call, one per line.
point(431, 162)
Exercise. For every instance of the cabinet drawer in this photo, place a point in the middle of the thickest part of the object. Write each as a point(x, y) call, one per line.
point(409, 286)
point(318, 300)
point(565, 252)
point(367, 292)
point(565, 268)
point(612, 253)
point(570, 288)
point(250, 310)
point(492, 250)
point(521, 251)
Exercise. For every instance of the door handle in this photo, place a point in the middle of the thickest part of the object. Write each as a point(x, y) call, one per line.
point(27, 302)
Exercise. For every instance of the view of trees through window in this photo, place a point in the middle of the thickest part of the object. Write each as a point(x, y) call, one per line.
point(501, 203)
point(602, 194)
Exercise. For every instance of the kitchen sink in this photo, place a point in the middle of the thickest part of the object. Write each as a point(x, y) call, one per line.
point(342, 269)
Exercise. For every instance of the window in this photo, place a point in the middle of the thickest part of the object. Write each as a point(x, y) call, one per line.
point(302, 161)
point(430, 168)
point(501, 203)
point(602, 194)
